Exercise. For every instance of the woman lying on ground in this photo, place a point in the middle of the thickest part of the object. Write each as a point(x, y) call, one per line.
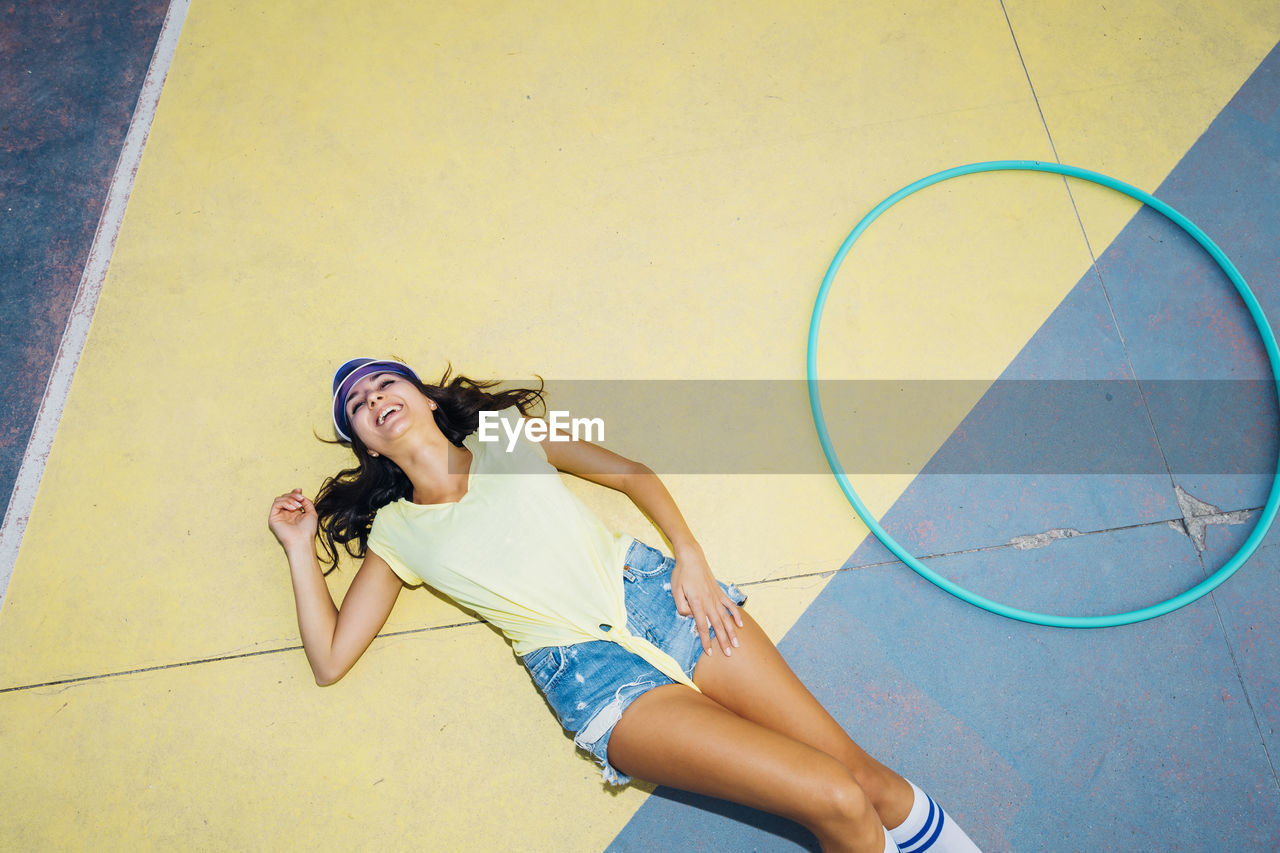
point(650, 662)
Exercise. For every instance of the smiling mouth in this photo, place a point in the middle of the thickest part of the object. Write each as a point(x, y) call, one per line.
point(387, 412)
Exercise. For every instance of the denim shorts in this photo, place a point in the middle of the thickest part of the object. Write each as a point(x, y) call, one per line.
point(590, 684)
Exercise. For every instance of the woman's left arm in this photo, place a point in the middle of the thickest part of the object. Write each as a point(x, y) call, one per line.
point(693, 586)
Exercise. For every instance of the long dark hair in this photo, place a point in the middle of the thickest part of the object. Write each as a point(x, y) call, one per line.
point(349, 500)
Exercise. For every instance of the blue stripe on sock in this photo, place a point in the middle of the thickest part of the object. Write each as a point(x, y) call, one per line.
point(906, 847)
point(937, 830)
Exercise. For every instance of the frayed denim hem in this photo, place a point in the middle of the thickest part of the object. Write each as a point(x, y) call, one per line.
point(594, 736)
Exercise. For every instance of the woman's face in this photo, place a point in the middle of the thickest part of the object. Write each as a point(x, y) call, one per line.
point(382, 407)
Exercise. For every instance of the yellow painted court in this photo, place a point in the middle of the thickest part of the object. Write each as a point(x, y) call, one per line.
point(577, 191)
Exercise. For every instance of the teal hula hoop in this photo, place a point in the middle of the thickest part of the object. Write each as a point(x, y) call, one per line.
point(1264, 329)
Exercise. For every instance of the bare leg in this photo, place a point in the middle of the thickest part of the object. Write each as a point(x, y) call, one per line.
point(675, 736)
point(757, 685)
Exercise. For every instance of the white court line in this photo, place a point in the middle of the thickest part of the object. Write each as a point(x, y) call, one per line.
point(23, 499)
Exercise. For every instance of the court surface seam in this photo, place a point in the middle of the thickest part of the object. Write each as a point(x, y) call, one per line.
point(821, 575)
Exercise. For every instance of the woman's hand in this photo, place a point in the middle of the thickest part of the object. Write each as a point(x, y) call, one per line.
point(333, 640)
point(293, 520)
point(697, 594)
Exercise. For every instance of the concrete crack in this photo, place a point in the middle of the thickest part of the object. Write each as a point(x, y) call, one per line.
point(1197, 515)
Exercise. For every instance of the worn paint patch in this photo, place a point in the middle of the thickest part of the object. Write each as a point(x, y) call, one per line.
point(1040, 540)
point(1198, 516)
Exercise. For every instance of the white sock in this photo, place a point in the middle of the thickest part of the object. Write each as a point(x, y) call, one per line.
point(929, 828)
point(889, 846)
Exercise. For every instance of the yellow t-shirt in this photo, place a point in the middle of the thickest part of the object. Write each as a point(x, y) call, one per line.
point(520, 550)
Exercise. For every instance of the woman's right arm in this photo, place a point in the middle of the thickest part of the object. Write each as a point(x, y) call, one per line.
point(333, 639)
